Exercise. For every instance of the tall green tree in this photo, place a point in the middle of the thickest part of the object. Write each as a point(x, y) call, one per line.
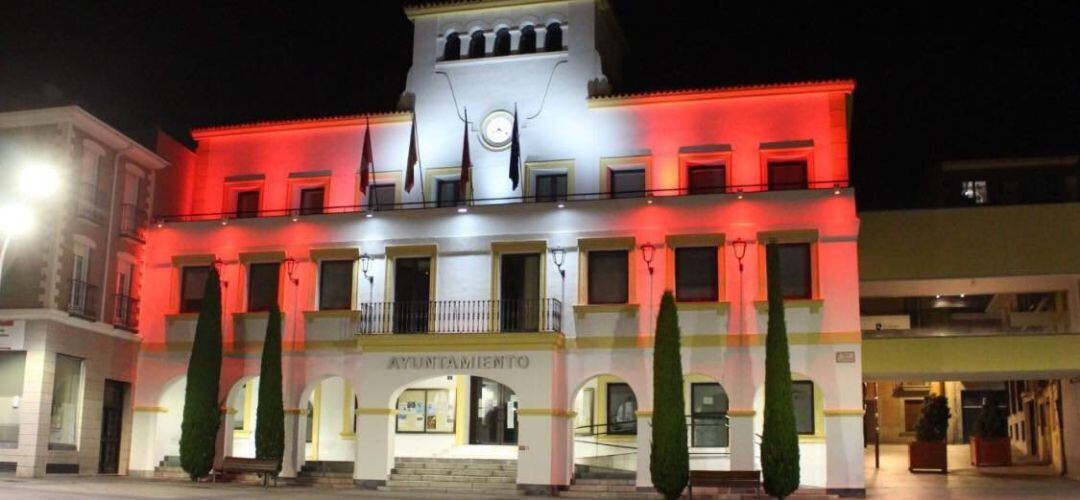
point(669, 460)
point(202, 413)
point(270, 419)
point(780, 439)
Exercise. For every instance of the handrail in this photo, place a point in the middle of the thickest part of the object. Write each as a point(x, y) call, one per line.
point(126, 314)
point(132, 221)
point(82, 299)
point(732, 190)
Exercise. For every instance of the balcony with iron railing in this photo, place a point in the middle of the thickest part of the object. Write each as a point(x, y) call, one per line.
point(461, 317)
point(132, 222)
point(126, 313)
point(82, 299)
point(90, 202)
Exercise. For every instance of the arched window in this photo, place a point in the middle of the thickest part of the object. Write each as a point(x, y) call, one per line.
point(452, 49)
point(477, 44)
point(502, 42)
point(527, 43)
point(553, 39)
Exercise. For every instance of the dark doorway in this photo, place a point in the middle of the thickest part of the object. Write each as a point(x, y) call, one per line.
point(112, 425)
point(971, 404)
point(412, 288)
point(519, 286)
point(1032, 428)
point(493, 413)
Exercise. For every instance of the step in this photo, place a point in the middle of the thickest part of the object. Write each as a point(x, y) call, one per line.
point(629, 481)
point(610, 494)
point(454, 478)
point(399, 485)
point(455, 472)
point(624, 488)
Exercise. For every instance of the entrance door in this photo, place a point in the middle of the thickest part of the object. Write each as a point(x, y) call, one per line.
point(112, 424)
point(519, 289)
point(493, 418)
point(412, 287)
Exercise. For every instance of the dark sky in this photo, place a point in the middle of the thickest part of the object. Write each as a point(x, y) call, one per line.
point(973, 80)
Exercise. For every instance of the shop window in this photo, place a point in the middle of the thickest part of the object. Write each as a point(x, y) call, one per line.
point(192, 287)
point(477, 44)
point(802, 398)
point(795, 279)
point(452, 48)
point(696, 274)
point(262, 286)
point(311, 200)
point(382, 196)
point(627, 183)
point(550, 187)
point(66, 403)
point(447, 191)
point(609, 281)
point(621, 409)
point(787, 174)
point(247, 204)
point(429, 411)
point(553, 38)
point(502, 42)
point(527, 42)
point(708, 415)
point(12, 368)
point(706, 179)
point(335, 284)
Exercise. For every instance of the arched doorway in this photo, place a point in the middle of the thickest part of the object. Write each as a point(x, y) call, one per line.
point(327, 425)
point(808, 399)
point(241, 407)
point(708, 428)
point(169, 421)
point(605, 426)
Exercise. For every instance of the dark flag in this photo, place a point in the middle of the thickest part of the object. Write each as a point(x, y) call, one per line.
point(366, 160)
point(515, 153)
point(410, 164)
point(466, 163)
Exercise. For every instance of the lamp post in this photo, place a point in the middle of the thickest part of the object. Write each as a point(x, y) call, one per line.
point(365, 268)
point(739, 248)
point(35, 182)
point(290, 269)
point(648, 253)
point(558, 257)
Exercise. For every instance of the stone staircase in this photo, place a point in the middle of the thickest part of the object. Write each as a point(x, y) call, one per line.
point(459, 476)
point(169, 468)
point(338, 475)
point(601, 482)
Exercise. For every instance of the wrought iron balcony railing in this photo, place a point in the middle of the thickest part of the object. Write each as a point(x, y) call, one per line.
point(90, 202)
point(126, 314)
point(132, 221)
point(461, 316)
point(82, 299)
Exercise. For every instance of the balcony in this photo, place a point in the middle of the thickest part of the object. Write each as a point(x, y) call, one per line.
point(967, 315)
point(461, 317)
point(82, 300)
point(126, 315)
point(90, 202)
point(132, 222)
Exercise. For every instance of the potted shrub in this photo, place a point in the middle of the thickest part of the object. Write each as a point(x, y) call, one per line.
point(928, 452)
point(990, 437)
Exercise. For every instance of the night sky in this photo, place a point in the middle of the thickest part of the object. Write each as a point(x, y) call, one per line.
point(972, 81)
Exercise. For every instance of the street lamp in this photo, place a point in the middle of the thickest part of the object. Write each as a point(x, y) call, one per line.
point(365, 268)
point(648, 253)
point(739, 247)
point(35, 181)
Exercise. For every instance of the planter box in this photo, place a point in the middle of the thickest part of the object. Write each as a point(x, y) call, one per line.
point(991, 452)
point(927, 457)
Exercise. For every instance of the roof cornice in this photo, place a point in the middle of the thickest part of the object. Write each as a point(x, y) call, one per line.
point(88, 123)
point(435, 8)
point(659, 97)
point(299, 124)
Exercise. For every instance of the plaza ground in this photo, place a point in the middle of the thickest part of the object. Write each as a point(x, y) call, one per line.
point(891, 481)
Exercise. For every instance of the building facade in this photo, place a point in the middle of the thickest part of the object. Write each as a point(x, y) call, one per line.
point(69, 303)
point(470, 318)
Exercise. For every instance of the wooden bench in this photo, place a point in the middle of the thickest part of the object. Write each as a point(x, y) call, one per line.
point(725, 479)
point(236, 465)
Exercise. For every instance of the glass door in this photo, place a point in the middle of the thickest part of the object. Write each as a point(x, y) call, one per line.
point(519, 289)
point(412, 289)
point(493, 418)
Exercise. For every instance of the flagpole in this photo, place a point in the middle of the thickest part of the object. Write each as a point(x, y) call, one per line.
point(419, 162)
point(371, 172)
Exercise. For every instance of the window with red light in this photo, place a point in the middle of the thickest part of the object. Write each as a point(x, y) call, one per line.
point(335, 284)
point(796, 280)
point(609, 281)
point(696, 276)
point(706, 178)
point(787, 174)
point(193, 287)
point(247, 204)
point(262, 286)
point(311, 200)
point(627, 183)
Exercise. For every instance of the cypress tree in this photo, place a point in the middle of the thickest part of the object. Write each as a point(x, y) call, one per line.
point(202, 413)
point(270, 418)
point(669, 460)
point(779, 440)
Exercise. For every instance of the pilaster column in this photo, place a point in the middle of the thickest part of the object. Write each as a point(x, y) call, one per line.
point(644, 449)
point(542, 442)
point(34, 409)
point(374, 446)
point(741, 439)
point(289, 454)
point(844, 452)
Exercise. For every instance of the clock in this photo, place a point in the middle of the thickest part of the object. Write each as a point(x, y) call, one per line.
point(497, 129)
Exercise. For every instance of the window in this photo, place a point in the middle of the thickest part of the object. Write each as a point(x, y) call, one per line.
point(80, 301)
point(477, 44)
point(696, 278)
point(527, 42)
point(502, 42)
point(628, 183)
point(335, 284)
point(708, 414)
point(706, 179)
point(311, 200)
point(789, 174)
point(247, 204)
point(192, 287)
point(912, 409)
point(621, 409)
point(66, 403)
point(446, 192)
point(550, 187)
point(795, 281)
point(381, 196)
point(426, 411)
point(12, 369)
point(802, 398)
point(553, 38)
point(974, 191)
point(262, 286)
point(452, 49)
point(609, 281)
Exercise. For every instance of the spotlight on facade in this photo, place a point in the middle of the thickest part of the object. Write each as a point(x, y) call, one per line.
point(369, 215)
point(836, 189)
point(160, 223)
point(15, 219)
point(462, 210)
point(562, 205)
point(39, 180)
point(224, 221)
point(649, 201)
point(740, 193)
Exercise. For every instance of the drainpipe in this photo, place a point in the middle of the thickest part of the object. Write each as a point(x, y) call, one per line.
point(105, 287)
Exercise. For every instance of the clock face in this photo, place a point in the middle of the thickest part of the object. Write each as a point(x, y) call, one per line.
point(497, 128)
